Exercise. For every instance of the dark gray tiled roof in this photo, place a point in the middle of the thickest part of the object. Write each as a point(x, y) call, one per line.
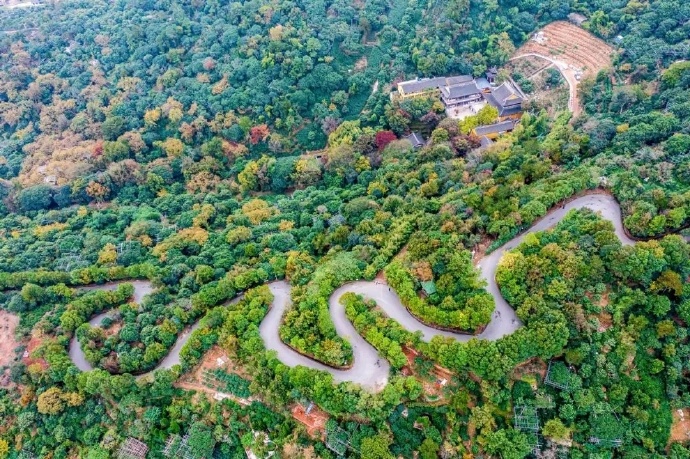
point(511, 108)
point(421, 85)
point(482, 83)
point(458, 79)
point(415, 139)
point(454, 92)
point(425, 84)
point(504, 93)
point(492, 101)
point(503, 126)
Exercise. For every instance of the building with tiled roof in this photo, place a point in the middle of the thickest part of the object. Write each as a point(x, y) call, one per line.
point(507, 101)
point(461, 95)
point(425, 86)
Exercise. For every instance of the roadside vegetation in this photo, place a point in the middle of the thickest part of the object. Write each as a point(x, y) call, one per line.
point(212, 148)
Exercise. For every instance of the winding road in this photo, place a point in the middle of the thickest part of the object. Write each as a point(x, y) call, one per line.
point(369, 369)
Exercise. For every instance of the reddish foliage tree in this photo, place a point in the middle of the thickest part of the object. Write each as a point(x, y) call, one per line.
point(98, 149)
point(383, 138)
point(474, 141)
point(258, 134)
point(209, 64)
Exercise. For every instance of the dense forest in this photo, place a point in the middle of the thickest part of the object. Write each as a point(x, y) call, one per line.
point(214, 149)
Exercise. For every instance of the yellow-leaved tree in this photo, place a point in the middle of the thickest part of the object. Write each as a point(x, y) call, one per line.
point(171, 146)
point(50, 401)
point(107, 255)
point(4, 449)
point(257, 211)
point(97, 191)
point(151, 117)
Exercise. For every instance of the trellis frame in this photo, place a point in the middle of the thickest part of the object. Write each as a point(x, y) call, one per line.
point(337, 440)
point(132, 448)
point(181, 452)
point(606, 442)
point(549, 381)
point(525, 418)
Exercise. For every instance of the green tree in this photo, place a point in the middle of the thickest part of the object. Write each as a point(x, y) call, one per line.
point(429, 449)
point(556, 430)
point(376, 447)
point(508, 443)
point(113, 127)
point(201, 442)
point(35, 198)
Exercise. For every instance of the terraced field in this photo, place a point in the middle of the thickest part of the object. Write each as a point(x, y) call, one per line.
point(569, 43)
point(574, 51)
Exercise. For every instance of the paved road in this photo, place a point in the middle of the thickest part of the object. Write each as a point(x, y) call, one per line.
point(369, 369)
point(365, 369)
point(141, 289)
point(508, 322)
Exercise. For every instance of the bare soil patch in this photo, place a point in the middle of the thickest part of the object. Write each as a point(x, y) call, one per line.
point(315, 420)
point(434, 386)
point(211, 361)
point(215, 358)
point(573, 45)
point(529, 369)
point(361, 64)
point(605, 321)
point(480, 251)
point(528, 66)
point(33, 344)
point(8, 342)
point(575, 52)
point(680, 429)
point(113, 330)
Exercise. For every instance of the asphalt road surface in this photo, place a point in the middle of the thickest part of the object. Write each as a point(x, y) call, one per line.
point(369, 369)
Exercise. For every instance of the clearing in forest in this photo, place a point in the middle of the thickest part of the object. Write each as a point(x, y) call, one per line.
point(532, 371)
point(215, 358)
point(566, 42)
point(312, 417)
point(8, 343)
point(680, 429)
point(361, 64)
point(535, 77)
point(575, 52)
point(433, 377)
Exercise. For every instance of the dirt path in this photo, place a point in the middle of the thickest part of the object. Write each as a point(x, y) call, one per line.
point(541, 70)
point(212, 392)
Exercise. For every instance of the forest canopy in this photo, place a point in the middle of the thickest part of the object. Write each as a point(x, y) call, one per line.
point(167, 167)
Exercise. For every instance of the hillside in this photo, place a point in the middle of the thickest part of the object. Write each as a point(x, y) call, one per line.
point(574, 52)
point(250, 229)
